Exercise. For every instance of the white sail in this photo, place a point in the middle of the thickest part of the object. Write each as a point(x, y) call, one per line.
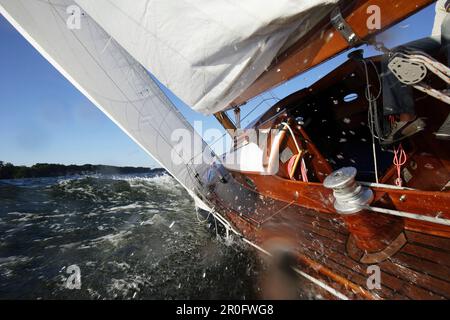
point(113, 80)
point(206, 51)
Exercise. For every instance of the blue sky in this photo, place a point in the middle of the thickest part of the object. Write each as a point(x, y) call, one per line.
point(43, 118)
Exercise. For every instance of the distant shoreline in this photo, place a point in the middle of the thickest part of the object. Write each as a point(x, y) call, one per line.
point(48, 170)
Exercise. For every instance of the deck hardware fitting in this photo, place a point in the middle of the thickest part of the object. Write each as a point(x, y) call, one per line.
point(339, 23)
point(349, 195)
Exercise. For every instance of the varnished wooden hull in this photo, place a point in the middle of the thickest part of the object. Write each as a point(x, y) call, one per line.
point(413, 255)
point(323, 247)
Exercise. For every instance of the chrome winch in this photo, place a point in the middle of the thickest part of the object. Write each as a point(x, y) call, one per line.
point(349, 195)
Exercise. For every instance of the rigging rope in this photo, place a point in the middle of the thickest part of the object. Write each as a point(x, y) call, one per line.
point(400, 159)
point(403, 214)
point(373, 122)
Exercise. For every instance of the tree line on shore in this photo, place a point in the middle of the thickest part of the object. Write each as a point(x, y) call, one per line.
point(10, 171)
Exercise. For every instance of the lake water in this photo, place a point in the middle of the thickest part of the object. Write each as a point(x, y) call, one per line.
point(132, 237)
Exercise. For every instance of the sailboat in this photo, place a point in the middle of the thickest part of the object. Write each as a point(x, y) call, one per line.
point(309, 178)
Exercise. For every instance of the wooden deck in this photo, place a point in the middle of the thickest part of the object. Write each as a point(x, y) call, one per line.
point(420, 270)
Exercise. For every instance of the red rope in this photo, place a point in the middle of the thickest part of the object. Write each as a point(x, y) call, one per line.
point(399, 160)
point(392, 119)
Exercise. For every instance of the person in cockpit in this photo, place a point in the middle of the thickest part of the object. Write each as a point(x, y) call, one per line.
point(398, 100)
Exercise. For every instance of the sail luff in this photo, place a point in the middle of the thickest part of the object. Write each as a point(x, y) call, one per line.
point(109, 77)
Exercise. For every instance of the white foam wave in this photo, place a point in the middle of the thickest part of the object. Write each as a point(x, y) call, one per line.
point(115, 239)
